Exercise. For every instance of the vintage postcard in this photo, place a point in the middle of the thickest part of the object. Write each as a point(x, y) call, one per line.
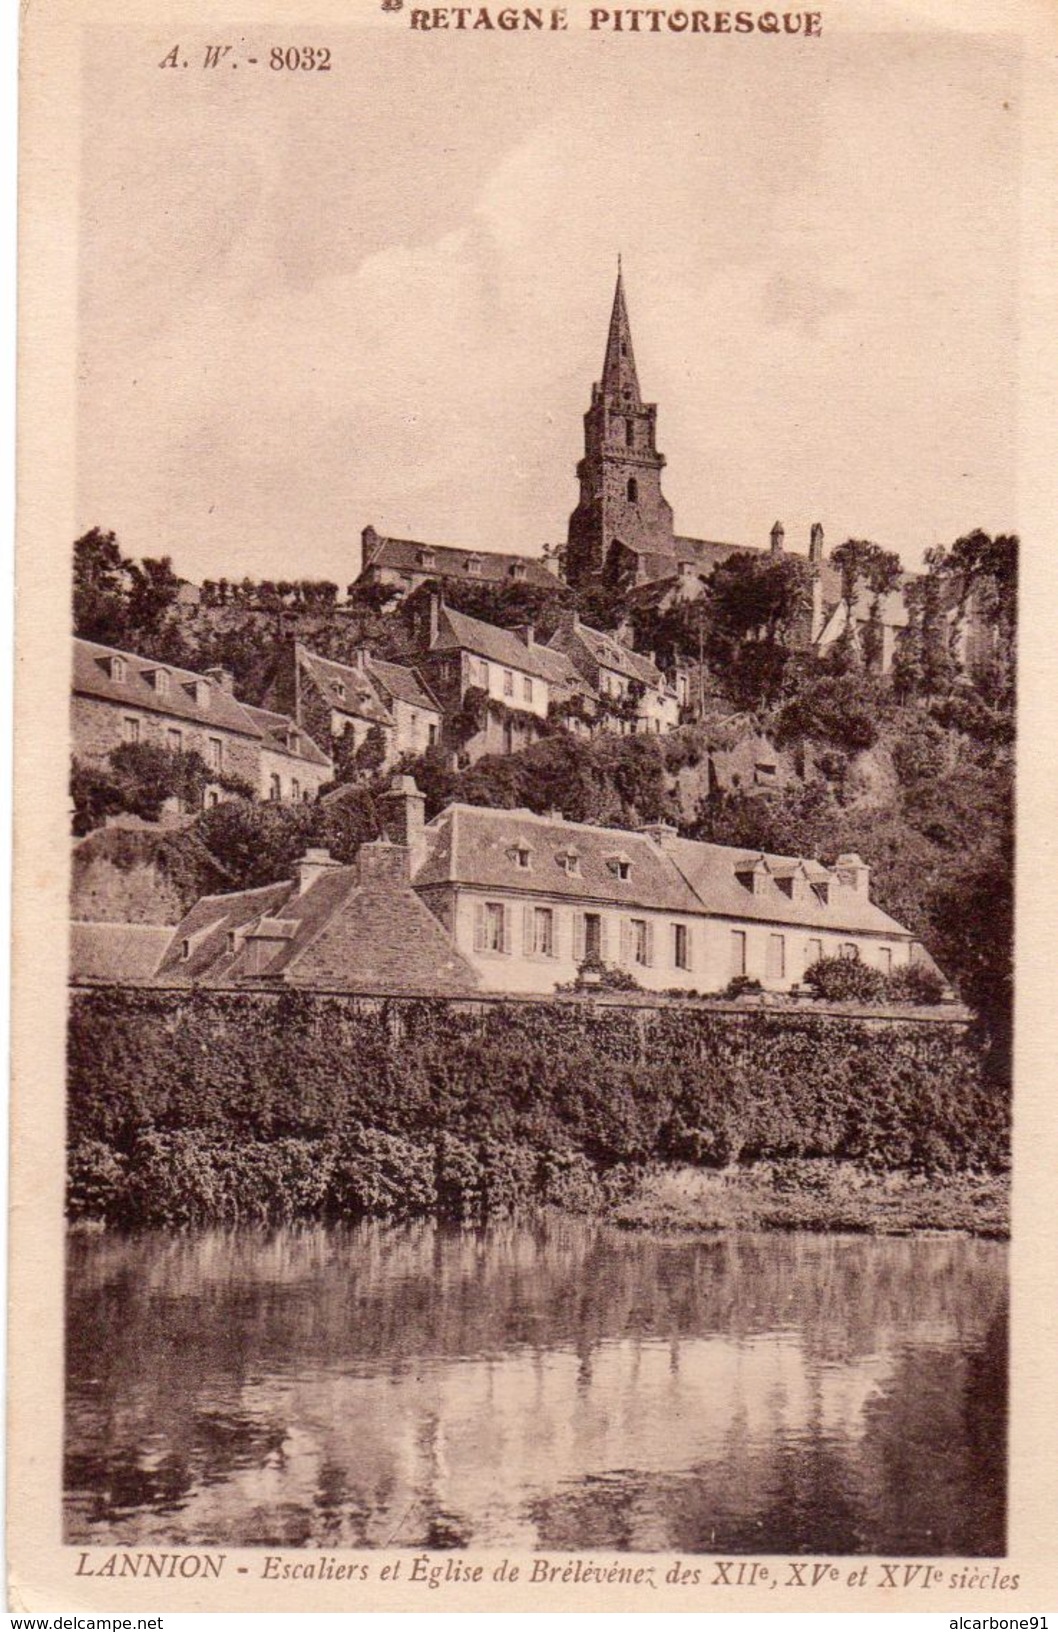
point(537, 590)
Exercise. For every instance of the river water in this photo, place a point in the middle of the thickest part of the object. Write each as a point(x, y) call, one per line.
point(559, 1384)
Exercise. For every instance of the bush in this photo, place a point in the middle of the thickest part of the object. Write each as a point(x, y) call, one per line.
point(214, 1105)
point(595, 976)
point(845, 980)
point(842, 709)
point(917, 983)
point(742, 986)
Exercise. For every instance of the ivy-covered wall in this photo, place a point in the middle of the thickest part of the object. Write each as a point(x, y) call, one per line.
point(612, 1084)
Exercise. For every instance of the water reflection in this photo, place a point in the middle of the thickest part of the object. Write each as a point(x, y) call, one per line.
point(559, 1385)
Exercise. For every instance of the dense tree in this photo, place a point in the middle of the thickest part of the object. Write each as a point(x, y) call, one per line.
point(756, 608)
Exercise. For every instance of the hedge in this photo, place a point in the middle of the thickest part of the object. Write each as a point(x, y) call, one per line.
point(490, 1102)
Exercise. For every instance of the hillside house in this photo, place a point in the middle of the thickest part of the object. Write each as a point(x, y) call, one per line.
point(495, 685)
point(403, 564)
point(119, 697)
point(329, 699)
point(633, 694)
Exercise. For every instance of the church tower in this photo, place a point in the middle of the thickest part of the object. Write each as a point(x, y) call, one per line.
point(621, 502)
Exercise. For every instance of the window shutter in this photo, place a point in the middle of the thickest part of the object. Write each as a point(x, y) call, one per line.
point(479, 926)
point(650, 941)
point(579, 937)
point(527, 929)
point(604, 945)
point(626, 941)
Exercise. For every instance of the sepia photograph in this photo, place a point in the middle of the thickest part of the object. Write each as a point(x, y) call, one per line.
point(539, 764)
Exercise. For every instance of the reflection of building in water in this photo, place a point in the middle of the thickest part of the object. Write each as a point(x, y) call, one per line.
point(554, 1387)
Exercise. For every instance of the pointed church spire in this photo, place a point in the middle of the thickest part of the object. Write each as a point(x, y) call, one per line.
point(619, 377)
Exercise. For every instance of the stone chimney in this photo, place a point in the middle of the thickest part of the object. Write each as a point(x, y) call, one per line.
point(526, 633)
point(815, 545)
point(383, 866)
point(434, 630)
point(662, 833)
point(854, 873)
point(313, 865)
point(778, 533)
point(223, 679)
point(404, 816)
point(360, 660)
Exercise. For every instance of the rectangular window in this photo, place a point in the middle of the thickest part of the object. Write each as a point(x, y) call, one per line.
point(275, 790)
point(215, 754)
point(527, 690)
point(738, 952)
point(413, 727)
point(543, 932)
point(130, 730)
point(849, 949)
point(813, 953)
point(640, 941)
point(432, 734)
point(885, 960)
point(775, 965)
point(295, 788)
point(495, 941)
point(592, 936)
point(508, 683)
point(681, 946)
point(175, 741)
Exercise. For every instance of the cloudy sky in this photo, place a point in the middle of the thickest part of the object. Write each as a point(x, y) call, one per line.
point(380, 295)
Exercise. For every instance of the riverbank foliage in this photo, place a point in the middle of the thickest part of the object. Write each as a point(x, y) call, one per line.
point(219, 1105)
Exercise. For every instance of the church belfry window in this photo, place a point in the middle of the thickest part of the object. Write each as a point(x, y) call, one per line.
point(633, 490)
point(630, 433)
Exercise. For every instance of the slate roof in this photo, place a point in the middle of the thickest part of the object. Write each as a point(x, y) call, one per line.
point(337, 933)
point(609, 653)
point(207, 924)
point(473, 845)
point(116, 952)
point(403, 685)
point(91, 678)
point(450, 561)
point(346, 689)
point(276, 728)
point(460, 632)
point(710, 871)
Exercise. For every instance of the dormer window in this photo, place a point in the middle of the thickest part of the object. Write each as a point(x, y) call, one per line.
point(293, 742)
point(160, 682)
point(202, 692)
point(620, 866)
point(821, 891)
point(339, 690)
point(233, 942)
point(474, 565)
point(427, 559)
point(752, 874)
point(522, 857)
point(569, 861)
point(118, 669)
point(518, 570)
point(185, 948)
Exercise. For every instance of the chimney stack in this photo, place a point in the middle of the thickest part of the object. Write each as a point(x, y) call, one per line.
point(404, 816)
point(815, 544)
point(313, 865)
point(526, 633)
point(223, 679)
point(435, 619)
point(853, 872)
point(778, 533)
